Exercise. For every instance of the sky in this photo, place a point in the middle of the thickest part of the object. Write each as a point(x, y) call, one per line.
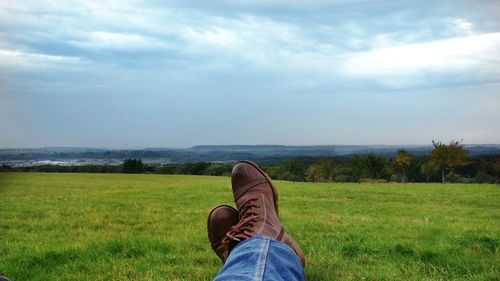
point(135, 74)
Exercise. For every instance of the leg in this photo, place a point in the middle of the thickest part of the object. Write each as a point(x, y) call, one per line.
point(251, 240)
point(260, 258)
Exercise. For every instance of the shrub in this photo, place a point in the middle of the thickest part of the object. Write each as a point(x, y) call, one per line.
point(452, 177)
point(218, 170)
point(482, 177)
point(343, 178)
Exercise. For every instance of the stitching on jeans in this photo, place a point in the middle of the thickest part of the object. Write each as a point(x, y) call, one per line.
point(261, 261)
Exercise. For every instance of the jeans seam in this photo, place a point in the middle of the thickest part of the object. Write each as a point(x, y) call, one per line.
point(261, 261)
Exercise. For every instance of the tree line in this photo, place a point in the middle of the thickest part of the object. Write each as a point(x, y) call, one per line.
point(446, 163)
point(133, 166)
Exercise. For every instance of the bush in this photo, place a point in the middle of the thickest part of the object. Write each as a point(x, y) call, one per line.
point(370, 180)
point(194, 168)
point(5, 168)
point(343, 178)
point(395, 178)
point(167, 169)
point(452, 177)
point(484, 178)
point(218, 170)
point(465, 180)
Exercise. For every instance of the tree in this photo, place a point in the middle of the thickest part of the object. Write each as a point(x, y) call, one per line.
point(448, 157)
point(314, 173)
point(374, 165)
point(370, 165)
point(293, 170)
point(193, 168)
point(357, 167)
point(290, 170)
point(496, 169)
point(5, 168)
point(321, 170)
point(132, 166)
point(403, 161)
point(218, 170)
point(166, 169)
point(428, 169)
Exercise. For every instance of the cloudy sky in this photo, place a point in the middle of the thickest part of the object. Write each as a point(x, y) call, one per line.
point(152, 73)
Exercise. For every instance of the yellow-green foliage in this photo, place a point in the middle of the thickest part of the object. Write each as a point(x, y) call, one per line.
point(153, 227)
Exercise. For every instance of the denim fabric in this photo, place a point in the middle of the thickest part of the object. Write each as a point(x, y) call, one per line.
point(260, 258)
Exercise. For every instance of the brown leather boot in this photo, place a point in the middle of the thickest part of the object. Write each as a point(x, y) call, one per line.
point(220, 220)
point(257, 202)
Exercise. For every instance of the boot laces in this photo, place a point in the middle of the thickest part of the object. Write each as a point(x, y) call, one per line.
point(248, 216)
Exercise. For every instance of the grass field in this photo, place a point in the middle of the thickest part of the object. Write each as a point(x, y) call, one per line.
point(153, 227)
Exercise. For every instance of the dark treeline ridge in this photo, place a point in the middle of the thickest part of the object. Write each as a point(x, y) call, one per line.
point(224, 153)
point(446, 163)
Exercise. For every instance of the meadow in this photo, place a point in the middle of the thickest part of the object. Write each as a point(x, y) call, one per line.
point(153, 227)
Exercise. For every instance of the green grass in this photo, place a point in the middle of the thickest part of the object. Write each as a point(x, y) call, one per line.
point(153, 227)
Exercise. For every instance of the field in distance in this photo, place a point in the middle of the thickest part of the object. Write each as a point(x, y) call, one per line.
point(153, 227)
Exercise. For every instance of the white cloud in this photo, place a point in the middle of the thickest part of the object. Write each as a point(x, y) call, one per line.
point(214, 37)
point(117, 41)
point(481, 52)
point(254, 40)
point(463, 25)
point(15, 59)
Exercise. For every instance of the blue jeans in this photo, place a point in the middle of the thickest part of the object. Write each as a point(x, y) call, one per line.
point(260, 258)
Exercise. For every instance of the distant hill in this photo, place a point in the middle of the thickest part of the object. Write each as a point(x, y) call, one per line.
point(224, 153)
